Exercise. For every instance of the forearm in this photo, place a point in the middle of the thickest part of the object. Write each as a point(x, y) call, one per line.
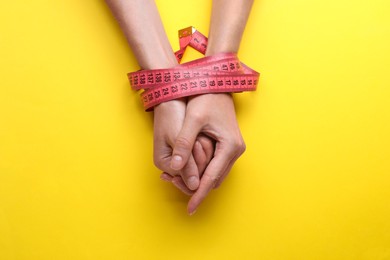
point(228, 20)
point(142, 26)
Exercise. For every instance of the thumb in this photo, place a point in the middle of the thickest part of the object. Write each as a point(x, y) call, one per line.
point(184, 143)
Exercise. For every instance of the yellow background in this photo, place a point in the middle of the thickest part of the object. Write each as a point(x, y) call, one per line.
point(76, 174)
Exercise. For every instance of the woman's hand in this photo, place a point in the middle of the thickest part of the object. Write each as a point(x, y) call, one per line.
point(212, 115)
point(202, 152)
point(168, 121)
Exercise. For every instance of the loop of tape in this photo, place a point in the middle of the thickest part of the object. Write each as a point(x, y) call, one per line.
point(221, 73)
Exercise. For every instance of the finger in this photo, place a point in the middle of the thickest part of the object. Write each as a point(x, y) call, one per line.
point(163, 165)
point(162, 160)
point(208, 146)
point(162, 152)
point(179, 183)
point(166, 177)
point(221, 162)
point(225, 174)
point(199, 157)
point(184, 143)
point(230, 165)
point(190, 174)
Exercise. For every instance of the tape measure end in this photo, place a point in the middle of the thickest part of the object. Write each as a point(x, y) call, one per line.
point(186, 31)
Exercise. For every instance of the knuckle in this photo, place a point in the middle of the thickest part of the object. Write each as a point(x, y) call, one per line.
point(183, 142)
point(214, 179)
point(242, 147)
point(196, 116)
point(237, 146)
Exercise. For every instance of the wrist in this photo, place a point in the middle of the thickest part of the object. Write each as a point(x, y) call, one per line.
point(171, 105)
point(158, 60)
point(227, 48)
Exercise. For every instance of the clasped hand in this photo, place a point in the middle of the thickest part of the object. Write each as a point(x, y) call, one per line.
point(196, 142)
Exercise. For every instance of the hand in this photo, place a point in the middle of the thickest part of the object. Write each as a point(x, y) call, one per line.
point(168, 121)
point(203, 151)
point(214, 116)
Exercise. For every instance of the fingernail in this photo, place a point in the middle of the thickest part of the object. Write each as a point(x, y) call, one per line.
point(193, 183)
point(176, 162)
point(192, 212)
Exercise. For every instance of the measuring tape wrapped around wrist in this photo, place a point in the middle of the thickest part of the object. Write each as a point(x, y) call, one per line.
point(221, 73)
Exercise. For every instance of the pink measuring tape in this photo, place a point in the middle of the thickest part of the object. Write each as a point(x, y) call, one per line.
point(219, 73)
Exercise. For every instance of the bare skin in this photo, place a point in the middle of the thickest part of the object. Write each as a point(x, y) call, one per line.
point(194, 146)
